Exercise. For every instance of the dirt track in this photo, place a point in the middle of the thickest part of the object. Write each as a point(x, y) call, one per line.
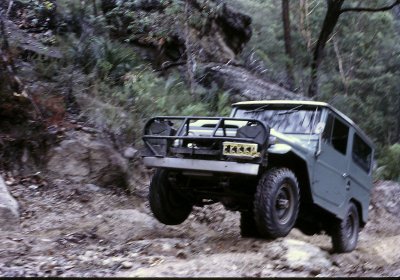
point(70, 230)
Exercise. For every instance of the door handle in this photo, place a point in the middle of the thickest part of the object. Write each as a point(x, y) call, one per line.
point(348, 182)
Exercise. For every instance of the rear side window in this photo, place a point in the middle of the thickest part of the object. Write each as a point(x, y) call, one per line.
point(337, 134)
point(362, 153)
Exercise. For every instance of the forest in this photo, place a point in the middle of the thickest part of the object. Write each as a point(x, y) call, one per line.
point(116, 63)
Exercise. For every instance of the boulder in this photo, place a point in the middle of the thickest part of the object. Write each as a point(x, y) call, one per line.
point(82, 160)
point(27, 41)
point(219, 33)
point(385, 196)
point(130, 153)
point(136, 225)
point(302, 256)
point(383, 217)
point(9, 215)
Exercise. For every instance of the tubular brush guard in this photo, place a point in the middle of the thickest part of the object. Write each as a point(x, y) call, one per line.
point(215, 138)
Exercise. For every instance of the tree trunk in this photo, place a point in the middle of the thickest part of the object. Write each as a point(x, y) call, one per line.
point(94, 8)
point(10, 4)
point(288, 43)
point(330, 21)
point(305, 23)
point(341, 67)
point(190, 62)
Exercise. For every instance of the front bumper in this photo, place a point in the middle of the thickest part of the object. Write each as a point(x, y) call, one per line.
point(203, 165)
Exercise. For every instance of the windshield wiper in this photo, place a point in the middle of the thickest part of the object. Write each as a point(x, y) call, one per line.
point(293, 110)
point(259, 109)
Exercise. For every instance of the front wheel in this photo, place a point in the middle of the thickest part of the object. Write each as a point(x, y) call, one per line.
point(168, 205)
point(276, 203)
point(345, 232)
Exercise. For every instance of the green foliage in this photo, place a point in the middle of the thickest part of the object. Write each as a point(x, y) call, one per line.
point(114, 59)
point(372, 68)
point(174, 9)
point(129, 22)
point(124, 109)
point(122, 91)
point(102, 57)
point(390, 164)
point(267, 34)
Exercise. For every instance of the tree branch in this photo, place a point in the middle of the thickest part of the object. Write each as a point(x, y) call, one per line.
point(363, 9)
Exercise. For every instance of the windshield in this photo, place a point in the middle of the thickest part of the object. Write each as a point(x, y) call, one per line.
point(295, 120)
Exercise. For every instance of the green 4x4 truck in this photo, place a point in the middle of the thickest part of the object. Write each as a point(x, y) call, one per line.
point(282, 164)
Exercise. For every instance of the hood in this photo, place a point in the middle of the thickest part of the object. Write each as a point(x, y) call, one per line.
point(285, 143)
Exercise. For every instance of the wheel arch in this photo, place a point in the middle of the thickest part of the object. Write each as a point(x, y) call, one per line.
point(359, 209)
point(299, 166)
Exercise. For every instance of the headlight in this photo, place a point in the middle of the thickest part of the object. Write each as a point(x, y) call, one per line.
point(240, 149)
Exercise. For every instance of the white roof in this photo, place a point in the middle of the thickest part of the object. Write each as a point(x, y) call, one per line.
point(277, 102)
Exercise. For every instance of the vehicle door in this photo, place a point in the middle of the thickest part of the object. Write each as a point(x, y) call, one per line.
point(330, 176)
point(360, 170)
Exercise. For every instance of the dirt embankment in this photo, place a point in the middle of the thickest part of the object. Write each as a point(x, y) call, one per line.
point(85, 230)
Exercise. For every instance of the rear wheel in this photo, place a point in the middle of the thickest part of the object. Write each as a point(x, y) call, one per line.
point(345, 232)
point(276, 203)
point(168, 205)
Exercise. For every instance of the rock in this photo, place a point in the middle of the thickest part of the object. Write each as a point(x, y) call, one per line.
point(181, 255)
point(82, 160)
point(33, 187)
point(92, 187)
point(27, 42)
point(236, 27)
point(220, 33)
point(304, 256)
point(130, 153)
point(214, 265)
point(385, 195)
point(384, 251)
point(9, 215)
point(384, 216)
point(89, 129)
point(126, 265)
point(136, 225)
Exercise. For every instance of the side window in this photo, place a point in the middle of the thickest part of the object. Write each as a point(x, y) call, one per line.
point(362, 153)
point(328, 129)
point(336, 133)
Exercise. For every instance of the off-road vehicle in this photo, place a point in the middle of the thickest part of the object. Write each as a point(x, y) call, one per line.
point(282, 164)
